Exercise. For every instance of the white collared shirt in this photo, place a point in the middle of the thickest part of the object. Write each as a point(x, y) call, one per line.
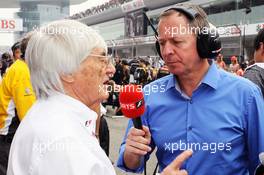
point(57, 137)
point(260, 65)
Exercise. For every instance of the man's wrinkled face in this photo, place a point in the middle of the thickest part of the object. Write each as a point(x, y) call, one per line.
point(91, 79)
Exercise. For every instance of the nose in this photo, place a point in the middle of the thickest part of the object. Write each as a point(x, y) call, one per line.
point(110, 70)
point(167, 50)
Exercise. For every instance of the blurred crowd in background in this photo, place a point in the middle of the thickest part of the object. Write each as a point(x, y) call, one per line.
point(98, 9)
point(142, 70)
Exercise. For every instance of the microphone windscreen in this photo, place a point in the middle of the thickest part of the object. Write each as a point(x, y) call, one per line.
point(131, 100)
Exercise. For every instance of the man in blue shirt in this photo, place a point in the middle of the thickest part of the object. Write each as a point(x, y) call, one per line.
point(218, 115)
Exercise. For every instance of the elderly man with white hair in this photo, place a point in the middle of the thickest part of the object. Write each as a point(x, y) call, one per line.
point(68, 64)
point(69, 72)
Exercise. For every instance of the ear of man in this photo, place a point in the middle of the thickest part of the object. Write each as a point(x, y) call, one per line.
point(262, 48)
point(69, 78)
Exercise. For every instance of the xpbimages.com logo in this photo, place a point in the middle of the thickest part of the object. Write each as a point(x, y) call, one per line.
point(55, 30)
point(173, 31)
point(50, 146)
point(211, 147)
point(148, 89)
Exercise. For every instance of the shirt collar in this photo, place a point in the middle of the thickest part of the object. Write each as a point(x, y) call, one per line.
point(211, 79)
point(83, 112)
point(260, 65)
point(212, 76)
point(177, 87)
point(171, 82)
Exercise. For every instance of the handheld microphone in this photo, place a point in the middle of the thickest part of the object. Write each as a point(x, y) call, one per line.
point(132, 103)
point(260, 169)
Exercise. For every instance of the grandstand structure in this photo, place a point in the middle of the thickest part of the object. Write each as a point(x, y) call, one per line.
point(129, 35)
point(17, 3)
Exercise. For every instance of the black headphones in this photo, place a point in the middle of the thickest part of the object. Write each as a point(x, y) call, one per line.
point(208, 42)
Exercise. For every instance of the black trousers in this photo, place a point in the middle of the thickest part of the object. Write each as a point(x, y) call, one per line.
point(4, 153)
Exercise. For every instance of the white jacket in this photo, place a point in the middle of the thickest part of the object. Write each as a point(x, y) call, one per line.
point(57, 138)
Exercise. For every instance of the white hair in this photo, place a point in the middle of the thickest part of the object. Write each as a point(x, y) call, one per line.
point(56, 49)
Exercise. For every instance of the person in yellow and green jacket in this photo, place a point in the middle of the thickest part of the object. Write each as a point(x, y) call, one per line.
point(16, 98)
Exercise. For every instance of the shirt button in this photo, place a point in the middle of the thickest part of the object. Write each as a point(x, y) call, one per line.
point(191, 101)
point(189, 128)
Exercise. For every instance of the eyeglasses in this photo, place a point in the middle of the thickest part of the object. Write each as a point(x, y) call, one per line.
point(105, 59)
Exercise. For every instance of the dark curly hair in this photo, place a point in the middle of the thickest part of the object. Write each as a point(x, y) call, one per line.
point(259, 39)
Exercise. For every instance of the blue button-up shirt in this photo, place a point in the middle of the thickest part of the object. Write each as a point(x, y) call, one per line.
point(222, 122)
